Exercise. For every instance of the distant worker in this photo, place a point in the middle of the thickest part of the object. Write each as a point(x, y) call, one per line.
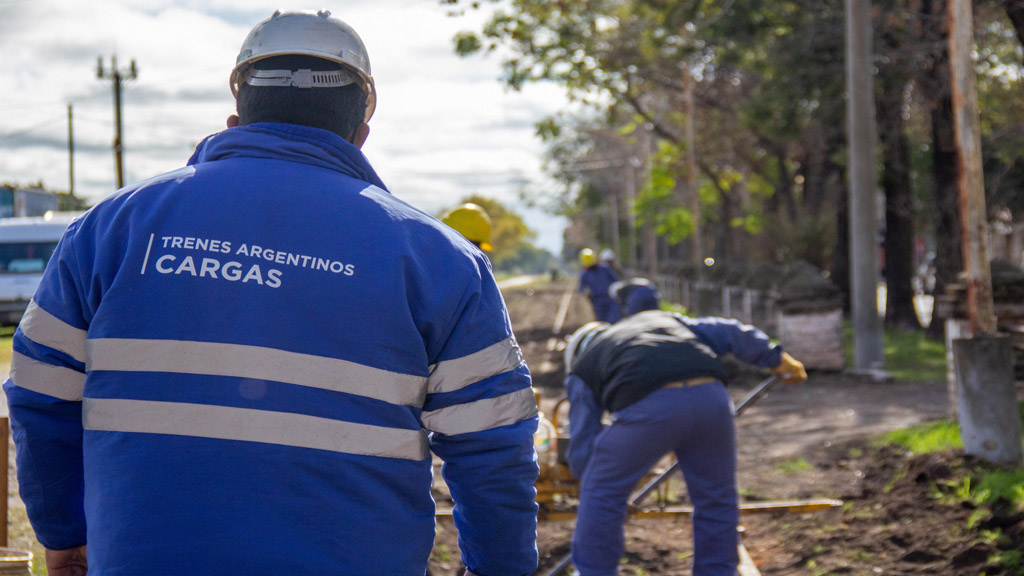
point(635, 295)
point(473, 223)
point(595, 279)
point(658, 373)
point(607, 256)
point(245, 366)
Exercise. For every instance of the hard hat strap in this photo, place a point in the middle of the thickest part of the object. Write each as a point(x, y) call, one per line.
point(302, 78)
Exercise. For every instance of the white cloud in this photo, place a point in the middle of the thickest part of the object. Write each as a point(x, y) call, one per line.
point(444, 126)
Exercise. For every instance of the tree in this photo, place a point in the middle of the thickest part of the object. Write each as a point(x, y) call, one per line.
point(770, 119)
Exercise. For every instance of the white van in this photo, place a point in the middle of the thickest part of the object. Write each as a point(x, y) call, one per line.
point(26, 244)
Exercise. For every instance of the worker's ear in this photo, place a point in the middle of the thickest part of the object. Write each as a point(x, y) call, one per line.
point(359, 135)
point(232, 120)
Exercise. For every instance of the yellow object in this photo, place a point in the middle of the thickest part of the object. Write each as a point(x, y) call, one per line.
point(472, 222)
point(587, 258)
point(790, 370)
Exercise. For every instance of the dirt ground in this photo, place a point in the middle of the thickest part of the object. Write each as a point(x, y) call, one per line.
point(798, 442)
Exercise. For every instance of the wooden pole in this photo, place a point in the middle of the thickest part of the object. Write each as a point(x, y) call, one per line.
point(971, 181)
point(71, 153)
point(987, 398)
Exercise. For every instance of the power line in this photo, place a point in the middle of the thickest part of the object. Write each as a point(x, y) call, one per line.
point(32, 128)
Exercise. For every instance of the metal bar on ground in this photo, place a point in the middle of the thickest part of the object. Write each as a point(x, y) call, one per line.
point(563, 310)
point(560, 566)
point(746, 567)
point(765, 507)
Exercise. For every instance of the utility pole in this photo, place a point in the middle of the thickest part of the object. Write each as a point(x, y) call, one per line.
point(990, 424)
point(118, 77)
point(867, 325)
point(71, 154)
point(691, 169)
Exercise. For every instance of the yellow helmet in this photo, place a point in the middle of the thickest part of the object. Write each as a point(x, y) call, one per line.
point(472, 222)
point(587, 258)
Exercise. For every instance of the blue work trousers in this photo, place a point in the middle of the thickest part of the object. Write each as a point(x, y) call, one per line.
point(606, 310)
point(696, 424)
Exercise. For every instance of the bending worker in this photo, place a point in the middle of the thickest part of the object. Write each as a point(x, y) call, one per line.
point(635, 295)
point(658, 374)
point(243, 366)
point(595, 279)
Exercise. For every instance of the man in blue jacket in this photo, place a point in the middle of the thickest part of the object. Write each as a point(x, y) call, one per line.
point(658, 374)
point(595, 279)
point(244, 366)
point(635, 295)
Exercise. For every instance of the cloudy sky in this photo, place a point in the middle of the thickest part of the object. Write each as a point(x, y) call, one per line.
point(444, 127)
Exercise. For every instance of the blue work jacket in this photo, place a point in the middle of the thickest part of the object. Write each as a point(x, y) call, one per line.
point(244, 367)
point(640, 354)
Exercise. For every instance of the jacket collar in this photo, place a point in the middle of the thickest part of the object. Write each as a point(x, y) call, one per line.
point(288, 142)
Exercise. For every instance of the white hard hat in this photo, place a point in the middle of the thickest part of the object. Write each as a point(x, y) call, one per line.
point(607, 254)
point(580, 339)
point(310, 34)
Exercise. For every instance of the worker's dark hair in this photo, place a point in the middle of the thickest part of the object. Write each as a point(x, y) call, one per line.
point(339, 110)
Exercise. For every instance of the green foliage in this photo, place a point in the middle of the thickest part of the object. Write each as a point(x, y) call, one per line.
point(658, 201)
point(770, 105)
point(983, 486)
point(442, 553)
point(909, 355)
point(924, 438)
point(995, 484)
point(790, 467)
point(5, 350)
point(467, 43)
point(527, 259)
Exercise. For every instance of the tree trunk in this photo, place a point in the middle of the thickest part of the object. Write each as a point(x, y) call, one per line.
point(1015, 10)
point(724, 244)
point(841, 267)
point(899, 216)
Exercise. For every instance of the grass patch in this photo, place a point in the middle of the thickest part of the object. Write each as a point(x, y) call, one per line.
point(790, 467)
point(924, 438)
point(673, 307)
point(909, 355)
point(984, 485)
point(5, 350)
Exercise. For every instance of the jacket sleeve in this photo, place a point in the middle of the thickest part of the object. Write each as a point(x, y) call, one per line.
point(745, 342)
point(44, 394)
point(481, 414)
point(584, 424)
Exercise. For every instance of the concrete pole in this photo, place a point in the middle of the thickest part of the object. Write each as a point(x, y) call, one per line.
point(613, 216)
point(987, 398)
point(864, 276)
point(631, 207)
point(691, 170)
